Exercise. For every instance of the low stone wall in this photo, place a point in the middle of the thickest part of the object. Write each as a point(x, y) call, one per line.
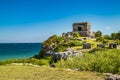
point(86, 46)
point(112, 76)
point(64, 55)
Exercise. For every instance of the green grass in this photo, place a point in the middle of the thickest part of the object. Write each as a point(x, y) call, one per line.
point(13, 72)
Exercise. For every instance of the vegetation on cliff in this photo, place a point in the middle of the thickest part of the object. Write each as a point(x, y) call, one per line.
point(61, 43)
point(100, 60)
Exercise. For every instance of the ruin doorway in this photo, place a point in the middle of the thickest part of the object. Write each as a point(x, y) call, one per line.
point(79, 29)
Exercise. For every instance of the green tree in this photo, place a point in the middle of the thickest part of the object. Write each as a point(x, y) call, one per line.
point(106, 37)
point(119, 35)
point(98, 34)
point(114, 36)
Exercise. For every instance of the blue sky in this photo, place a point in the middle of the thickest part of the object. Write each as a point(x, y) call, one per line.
point(36, 20)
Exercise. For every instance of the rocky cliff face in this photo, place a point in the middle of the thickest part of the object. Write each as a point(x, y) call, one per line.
point(58, 47)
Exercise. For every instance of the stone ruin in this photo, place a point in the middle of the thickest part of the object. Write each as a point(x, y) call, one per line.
point(83, 28)
point(101, 45)
point(86, 46)
point(110, 76)
point(112, 45)
point(63, 55)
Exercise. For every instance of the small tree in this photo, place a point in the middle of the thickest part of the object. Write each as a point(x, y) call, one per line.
point(114, 36)
point(98, 34)
point(106, 37)
point(119, 35)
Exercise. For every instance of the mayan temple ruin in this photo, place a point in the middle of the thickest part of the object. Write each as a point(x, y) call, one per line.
point(83, 28)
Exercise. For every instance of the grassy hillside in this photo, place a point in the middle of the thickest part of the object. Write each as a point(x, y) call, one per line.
point(44, 73)
point(94, 60)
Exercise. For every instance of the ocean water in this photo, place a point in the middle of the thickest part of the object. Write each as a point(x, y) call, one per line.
point(18, 50)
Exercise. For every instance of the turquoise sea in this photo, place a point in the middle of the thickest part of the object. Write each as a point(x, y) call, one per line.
point(18, 50)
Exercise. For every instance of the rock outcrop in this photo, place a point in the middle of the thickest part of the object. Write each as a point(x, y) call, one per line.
point(112, 77)
point(64, 55)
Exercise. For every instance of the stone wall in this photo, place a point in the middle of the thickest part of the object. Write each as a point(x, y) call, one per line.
point(83, 28)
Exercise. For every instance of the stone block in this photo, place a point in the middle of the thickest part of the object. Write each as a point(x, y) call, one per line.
point(86, 46)
point(112, 45)
point(101, 45)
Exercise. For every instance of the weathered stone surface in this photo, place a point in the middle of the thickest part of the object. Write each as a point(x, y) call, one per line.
point(112, 45)
point(86, 46)
point(83, 28)
point(117, 77)
point(101, 45)
point(112, 77)
point(63, 55)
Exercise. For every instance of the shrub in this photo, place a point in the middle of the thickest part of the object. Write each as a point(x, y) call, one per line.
point(99, 39)
point(107, 37)
point(114, 36)
point(39, 61)
point(118, 42)
point(3, 62)
point(98, 34)
point(43, 62)
point(25, 60)
point(60, 48)
point(101, 61)
point(50, 59)
point(75, 43)
point(105, 41)
point(76, 35)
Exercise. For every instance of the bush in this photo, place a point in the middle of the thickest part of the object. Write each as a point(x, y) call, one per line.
point(101, 61)
point(107, 37)
point(25, 60)
point(54, 40)
point(99, 39)
point(118, 42)
point(75, 43)
point(76, 35)
point(105, 41)
point(39, 61)
point(3, 62)
point(98, 34)
point(60, 48)
point(45, 61)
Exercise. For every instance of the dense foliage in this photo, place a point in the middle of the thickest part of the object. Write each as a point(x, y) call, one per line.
point(98, 34)
point(53, 40)
point(101, 61)
point(4, 62)
point(60, 44)
point(112, 36)
point(35, 61)
point(76, 35)
point(45, 61)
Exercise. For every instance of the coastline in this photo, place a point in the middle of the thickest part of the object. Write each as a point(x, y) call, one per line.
point(18, 50)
